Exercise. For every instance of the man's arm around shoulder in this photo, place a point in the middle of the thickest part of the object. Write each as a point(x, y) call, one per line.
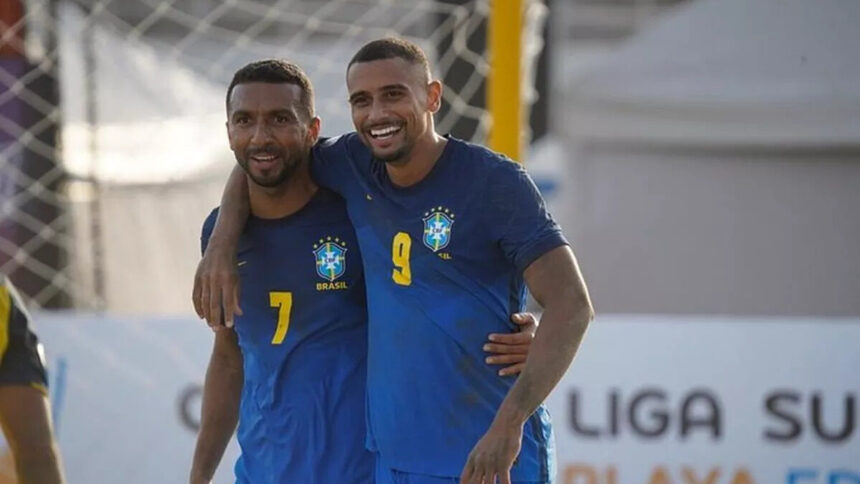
point(216, 282)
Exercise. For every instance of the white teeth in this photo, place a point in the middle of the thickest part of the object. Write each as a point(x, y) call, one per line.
point(265, 158)
point(384, 131)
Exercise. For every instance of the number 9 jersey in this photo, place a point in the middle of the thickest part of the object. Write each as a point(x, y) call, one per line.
point(303, 338)
point(444, 261)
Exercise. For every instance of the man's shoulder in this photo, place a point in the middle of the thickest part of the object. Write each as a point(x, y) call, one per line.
point(341, 138)
point(494, 167)
point(482, 156)
point(334, 159)
point(331, 147)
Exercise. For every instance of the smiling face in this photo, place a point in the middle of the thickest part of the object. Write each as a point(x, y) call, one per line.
point(392, 102)
point(269, 132)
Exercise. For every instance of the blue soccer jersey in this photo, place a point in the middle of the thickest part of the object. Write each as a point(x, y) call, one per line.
point(443, 264)
point(303, 338)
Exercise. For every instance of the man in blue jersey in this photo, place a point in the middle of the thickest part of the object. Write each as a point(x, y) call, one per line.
point(292, 369)
point(451, 234)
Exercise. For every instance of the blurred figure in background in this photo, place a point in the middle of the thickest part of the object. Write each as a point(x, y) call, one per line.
point(24, 406)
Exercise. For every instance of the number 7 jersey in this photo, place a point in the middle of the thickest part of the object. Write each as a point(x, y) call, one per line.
point(303, 338)
point(443, 263)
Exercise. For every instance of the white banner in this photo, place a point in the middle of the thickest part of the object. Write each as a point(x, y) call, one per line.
point(686, 400)
point(649, 400)
point(126, 395)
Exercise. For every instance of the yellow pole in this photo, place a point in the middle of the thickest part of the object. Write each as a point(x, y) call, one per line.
point(504, 98)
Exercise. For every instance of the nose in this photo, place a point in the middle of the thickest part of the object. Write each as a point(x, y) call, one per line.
point(261, 135)
point(377, 112)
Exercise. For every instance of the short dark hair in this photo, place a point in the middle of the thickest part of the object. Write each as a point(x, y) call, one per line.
point(392, 48)
point(276, 71)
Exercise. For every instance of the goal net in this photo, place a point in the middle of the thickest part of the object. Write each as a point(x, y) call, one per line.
point(112, 139)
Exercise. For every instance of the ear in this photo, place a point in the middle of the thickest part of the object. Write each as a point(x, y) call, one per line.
point(314, 129)
point(229, 136)
point(434, 96)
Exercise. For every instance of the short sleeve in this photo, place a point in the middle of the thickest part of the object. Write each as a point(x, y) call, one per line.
point(206, 232)
point(523, 227)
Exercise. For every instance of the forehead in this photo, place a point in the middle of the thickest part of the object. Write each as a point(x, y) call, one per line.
point(373, 75)
point(264, 96)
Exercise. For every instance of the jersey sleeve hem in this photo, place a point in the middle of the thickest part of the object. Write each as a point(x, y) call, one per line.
point(538, 247)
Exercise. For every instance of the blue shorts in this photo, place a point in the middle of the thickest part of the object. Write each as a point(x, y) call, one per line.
point(386, 475)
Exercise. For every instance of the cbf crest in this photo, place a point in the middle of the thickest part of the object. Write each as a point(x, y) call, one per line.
point(330, 254)
point(438, 222)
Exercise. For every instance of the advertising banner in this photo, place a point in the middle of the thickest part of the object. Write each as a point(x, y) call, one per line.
point(686, 400)
point(126, 395)
point(648, 400)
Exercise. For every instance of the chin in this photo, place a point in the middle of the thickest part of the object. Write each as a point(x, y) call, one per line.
point(267, 182)
point(271, 181)
point(395, 157)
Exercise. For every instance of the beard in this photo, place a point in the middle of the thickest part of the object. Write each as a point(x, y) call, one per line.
point(289, 163)
point(393, 154)
point(395, 157)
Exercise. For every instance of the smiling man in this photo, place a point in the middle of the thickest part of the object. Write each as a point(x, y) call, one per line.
point(451, 234)
point(292, 370)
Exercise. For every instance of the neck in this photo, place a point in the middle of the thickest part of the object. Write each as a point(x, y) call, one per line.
point(285, 199)
point(418, 163)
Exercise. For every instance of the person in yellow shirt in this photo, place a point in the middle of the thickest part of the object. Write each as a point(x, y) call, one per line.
point(24, 406)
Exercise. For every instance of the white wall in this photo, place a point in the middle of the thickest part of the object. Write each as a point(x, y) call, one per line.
point(732, 232)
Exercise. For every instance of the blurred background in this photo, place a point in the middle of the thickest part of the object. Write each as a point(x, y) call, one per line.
point(703, 157)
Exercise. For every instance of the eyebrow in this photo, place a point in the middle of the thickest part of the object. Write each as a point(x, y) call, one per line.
point(277, 111)
point(394, 86)
point(387, 87)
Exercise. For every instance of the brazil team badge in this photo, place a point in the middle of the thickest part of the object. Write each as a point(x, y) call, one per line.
point(437, 228)
point(330, 255)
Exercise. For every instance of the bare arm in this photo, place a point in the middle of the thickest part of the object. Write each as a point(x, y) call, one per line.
point(220, 414)
point(25, 415)
point(556, 283)
point(216, 282)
